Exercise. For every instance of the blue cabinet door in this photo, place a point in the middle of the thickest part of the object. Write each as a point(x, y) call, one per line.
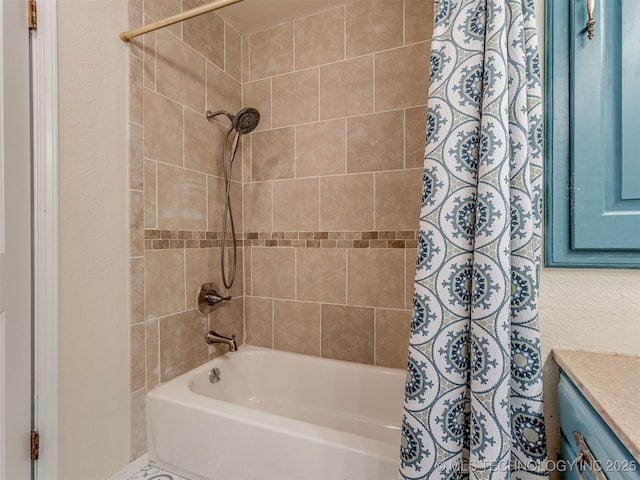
point(593, 135)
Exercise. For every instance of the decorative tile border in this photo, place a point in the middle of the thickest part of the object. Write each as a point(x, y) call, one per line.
point(178, 239)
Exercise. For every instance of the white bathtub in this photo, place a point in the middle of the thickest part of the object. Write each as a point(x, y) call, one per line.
point(278, 416)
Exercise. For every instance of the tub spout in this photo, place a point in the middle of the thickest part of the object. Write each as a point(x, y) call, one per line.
point(213, 337)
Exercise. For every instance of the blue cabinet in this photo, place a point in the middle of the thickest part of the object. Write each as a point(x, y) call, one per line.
point(593, 135)
point(577, 416)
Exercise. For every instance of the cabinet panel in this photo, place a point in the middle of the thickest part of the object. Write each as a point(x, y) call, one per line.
point(576, 414)
point(593, 160)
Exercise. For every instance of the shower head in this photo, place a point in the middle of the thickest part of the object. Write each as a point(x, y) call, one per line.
point(245, 121)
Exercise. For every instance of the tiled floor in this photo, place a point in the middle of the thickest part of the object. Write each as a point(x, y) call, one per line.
point(154, 473)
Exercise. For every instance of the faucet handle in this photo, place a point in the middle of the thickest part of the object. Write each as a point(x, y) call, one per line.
point(208, 297)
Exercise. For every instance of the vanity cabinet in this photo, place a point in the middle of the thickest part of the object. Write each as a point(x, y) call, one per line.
point(583, 428)
point(598, 396)
point(592, 164)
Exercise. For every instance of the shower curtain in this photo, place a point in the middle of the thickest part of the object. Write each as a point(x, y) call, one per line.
point(473, 396)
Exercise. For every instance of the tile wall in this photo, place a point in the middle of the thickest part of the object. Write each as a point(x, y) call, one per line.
point(326, 191)
point(176, 192)
point(332, 179)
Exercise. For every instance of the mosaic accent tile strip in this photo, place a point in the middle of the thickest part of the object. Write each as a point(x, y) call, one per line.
point(154, 473)
point(179, 239)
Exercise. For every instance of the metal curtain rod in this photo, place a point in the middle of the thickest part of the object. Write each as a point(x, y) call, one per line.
point(179, 17)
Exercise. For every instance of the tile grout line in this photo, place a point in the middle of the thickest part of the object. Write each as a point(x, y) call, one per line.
point(155, 166)
point(336, 62)
point(273, 323)
point(375, 335)
point(404, 22)
point(346, 144)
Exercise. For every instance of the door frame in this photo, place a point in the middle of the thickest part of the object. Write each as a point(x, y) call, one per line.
point(44, 67)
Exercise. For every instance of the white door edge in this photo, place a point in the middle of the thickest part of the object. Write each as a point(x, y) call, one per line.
point(45, 203)
point(3, 472)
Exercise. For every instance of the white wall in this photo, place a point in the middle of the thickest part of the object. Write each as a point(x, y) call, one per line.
point(584, 310)
point(93, 155)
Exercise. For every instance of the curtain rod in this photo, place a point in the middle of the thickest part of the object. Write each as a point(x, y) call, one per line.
point(180, 17)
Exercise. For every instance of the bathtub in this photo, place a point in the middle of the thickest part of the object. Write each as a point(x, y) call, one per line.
point(278, 416)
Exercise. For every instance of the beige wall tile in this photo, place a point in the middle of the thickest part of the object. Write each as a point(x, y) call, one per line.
point(203, 265)
point(392, 337)
point(135, 89)
point(319, 39)
point(273, 272)
point(163, 129)
point(216, 202)
point(248, 255)
point(347, 333)
point(259, 321)
point(223, 91)
point(295, 98)
point(136, 160)
point(203, 143)
point(374, 26)
point(376, 277)
point(181, 199)
point(321, 275)
point(418, 20)
point(164, 282)
point(136, 272)
point(257, 207)
point(149, 59)
point(159, 9)
point(272, 154)
point(227, 319)
point(137, 349)
point(258, 95)
point(136, 223)
point(246, 157)
point(398, 199)
point(410, 275)
point(205, 33)
point(134, 14)
point(296, 327)
point(150, 195)
point(346, 202)
point(321, 148)
point(402, 77)
point(182, 343)
point(271, 52)
point(153, 354)
point(295, 205)
point(138, 424)
point(346, 88)
point(375, 142)
point(180, 72)
point(245, 59)
point(233, 53)
point(415, 124)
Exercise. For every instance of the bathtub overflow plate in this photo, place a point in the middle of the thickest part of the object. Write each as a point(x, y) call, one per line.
point(214, 375)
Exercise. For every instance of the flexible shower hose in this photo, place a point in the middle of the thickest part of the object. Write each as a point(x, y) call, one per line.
point(228, 214)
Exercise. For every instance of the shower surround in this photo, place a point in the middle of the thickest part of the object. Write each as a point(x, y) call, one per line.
point(326, 191)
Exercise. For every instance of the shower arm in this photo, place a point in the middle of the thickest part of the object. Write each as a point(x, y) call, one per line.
point(210, 115)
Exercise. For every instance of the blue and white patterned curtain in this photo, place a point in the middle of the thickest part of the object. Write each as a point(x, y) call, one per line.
point(473, 406)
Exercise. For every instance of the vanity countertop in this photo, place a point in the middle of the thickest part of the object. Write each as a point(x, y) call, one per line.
point(611, 383)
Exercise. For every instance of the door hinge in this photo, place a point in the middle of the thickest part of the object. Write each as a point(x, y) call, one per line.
point(35, 445)
point(32, 14)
